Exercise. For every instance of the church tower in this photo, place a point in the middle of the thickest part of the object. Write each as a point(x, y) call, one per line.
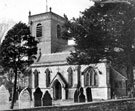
point(46, 27)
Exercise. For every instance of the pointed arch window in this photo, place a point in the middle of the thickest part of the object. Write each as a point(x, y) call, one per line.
point(58, 31)
point(87, 81)
point(47, 71)
point(39, 30)
point(95, 79)
point(70, 77)
point(90, 77)
point(36, 78)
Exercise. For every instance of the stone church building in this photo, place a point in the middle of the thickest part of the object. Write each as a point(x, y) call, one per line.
point(51, 71)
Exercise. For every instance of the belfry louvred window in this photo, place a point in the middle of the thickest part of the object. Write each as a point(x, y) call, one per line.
point(58, 31)
point(39, 30)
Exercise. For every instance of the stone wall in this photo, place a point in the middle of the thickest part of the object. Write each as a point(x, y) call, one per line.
point(102, 91)
point(110, 105)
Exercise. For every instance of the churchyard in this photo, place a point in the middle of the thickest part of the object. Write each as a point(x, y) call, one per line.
point(40, 100)
point(26, 99)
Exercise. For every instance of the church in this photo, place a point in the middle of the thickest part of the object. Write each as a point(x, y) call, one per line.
point(51, 72)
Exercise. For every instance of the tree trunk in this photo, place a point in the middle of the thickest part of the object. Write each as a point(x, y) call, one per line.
point(14, 92)
point(130, 77)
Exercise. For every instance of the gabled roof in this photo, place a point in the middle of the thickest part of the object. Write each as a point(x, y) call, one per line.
point(52, 59)
point(60, 79)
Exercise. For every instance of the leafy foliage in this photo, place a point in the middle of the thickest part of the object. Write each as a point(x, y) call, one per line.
point(19, 48)
point(105, 31)
point(90, 34)
point(18, 51)
point(121, 29)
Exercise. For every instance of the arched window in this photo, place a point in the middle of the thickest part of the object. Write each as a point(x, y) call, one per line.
point(36, 78)
point(95, 79)
point(58, 31)
point(87, 81)
point(39, 30)
point(90, 77)
point(47, 71)
point(70, 77)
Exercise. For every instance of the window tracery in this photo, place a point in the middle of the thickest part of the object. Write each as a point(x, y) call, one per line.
point(90, 77)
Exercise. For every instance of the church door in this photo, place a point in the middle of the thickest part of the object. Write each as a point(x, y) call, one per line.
point(57, 90)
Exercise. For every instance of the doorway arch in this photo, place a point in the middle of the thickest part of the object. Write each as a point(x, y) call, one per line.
point(58, 87)
point(57, 90)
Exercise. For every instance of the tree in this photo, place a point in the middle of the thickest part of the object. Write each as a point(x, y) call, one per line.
point(104, 31)
point(121, 29)
point(18, 51)
point(90, 34)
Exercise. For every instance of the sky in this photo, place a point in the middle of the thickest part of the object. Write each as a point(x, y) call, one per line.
point(17, 10)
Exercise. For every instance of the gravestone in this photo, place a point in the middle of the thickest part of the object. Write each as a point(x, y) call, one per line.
point(37, 97)
point(76, 95)
point(29, 89)
point(81, 97)
point(4, 98)
point(47, 99)
point(24, 99)
point(89, 94)
point(4, 95)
